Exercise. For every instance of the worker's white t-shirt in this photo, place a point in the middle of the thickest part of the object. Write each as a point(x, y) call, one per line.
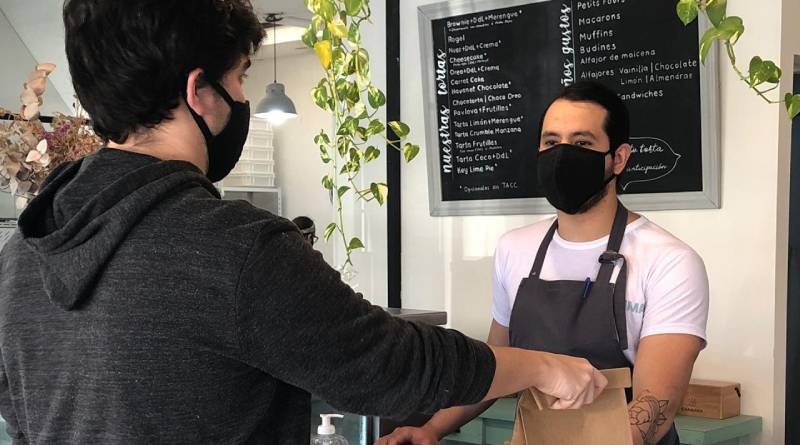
point(667, 291)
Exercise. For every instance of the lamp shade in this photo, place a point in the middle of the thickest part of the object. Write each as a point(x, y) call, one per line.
point(276, 107)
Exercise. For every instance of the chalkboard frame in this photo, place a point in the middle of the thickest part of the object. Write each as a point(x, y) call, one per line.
point(708, 198)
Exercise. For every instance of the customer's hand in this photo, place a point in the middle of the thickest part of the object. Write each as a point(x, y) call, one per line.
point(409, 436)
point(573, 381)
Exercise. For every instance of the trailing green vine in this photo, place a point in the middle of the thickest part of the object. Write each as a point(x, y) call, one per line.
point(335, 36)
point(763, 76)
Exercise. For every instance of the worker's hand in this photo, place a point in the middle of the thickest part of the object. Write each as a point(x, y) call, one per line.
point(409, 436)
point(573, 381)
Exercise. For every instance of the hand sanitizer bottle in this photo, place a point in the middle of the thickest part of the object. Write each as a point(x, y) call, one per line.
point(326, 433)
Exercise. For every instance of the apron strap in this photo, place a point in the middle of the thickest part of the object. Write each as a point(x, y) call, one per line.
point(608, 257)
point(611, 255)
point(539, 261)
point(618, 301)
point(608, 260)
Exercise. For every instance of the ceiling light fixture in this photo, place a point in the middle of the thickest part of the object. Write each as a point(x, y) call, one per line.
point(276, 107)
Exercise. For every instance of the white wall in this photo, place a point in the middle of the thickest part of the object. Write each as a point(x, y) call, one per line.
point(300, 170)
point(745, 243)
point(370, 219)
point(19, 61)
point(447, 261)
point(297, 165)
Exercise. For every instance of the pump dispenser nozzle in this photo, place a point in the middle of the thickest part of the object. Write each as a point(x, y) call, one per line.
point(327, 428)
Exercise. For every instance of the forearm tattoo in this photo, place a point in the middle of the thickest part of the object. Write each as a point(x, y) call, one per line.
point(647, 415)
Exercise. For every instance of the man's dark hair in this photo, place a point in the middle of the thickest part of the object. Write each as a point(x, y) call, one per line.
point(617, 124)
point(130, 59)
point(307, 228)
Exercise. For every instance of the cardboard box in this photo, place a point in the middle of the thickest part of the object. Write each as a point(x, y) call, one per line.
point(712, 399)
point(604, 422)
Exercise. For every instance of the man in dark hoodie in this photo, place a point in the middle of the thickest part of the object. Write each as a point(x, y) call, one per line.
point(137, 307)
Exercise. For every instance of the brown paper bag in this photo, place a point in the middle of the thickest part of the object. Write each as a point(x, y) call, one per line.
point(604, 422)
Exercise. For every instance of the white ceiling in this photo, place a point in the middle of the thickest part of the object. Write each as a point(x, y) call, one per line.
point(295, 14)
point(292, 8)
point(39, 25)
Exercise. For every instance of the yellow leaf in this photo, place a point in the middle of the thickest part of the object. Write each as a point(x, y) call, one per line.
point(324, 53)
point(383, 189)
point(337, 30)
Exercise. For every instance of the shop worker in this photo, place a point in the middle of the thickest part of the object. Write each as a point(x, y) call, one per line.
point(136, 307)
point(598, 281)
point(307, 229)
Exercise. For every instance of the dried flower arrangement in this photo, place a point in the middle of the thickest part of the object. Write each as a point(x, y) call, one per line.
point(29, 151)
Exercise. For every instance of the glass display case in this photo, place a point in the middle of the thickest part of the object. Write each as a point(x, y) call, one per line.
point(358, 430)
point(4, 439)
point(365, 430)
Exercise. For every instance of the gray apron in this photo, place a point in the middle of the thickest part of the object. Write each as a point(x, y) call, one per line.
point(578, 318)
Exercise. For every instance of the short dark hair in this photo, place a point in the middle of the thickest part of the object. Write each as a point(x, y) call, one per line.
point(130, 59)
point(617, 125)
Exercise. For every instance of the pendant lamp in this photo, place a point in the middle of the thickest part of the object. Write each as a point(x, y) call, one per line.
point(276, 107)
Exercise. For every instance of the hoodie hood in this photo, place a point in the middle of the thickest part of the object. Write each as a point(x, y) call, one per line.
point(87, 208)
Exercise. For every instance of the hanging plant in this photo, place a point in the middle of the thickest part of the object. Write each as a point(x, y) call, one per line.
point(30, 150)
point(347, 93)
point(763, 75)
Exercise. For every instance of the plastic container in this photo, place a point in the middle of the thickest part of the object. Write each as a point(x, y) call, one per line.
point(249, 180)
point(254, 168)
point(260, 124)
point(259, 140)
point(326, 433)
point(250, 153)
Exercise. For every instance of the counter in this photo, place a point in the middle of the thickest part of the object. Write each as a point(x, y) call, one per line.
point(436, 318)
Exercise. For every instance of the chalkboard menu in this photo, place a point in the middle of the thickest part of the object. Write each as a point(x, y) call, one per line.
point(491, 68)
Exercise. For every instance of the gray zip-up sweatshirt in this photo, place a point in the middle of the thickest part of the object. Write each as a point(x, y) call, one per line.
point(137, 307)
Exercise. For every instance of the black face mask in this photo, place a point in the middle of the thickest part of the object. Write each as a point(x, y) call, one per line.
point(570, 176)
point(225, 149)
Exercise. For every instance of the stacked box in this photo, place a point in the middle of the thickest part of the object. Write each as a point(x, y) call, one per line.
point(256, 167)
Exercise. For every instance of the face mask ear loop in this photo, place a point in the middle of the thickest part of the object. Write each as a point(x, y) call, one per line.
point(207, 135)
point(223, 93)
